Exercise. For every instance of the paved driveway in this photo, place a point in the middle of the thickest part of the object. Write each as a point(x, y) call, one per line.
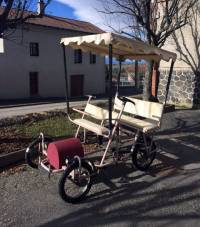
point(167, 195)
point(23, 110)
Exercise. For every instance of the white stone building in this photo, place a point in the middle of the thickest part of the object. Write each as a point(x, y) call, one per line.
point(185, 83)
point(32, 63)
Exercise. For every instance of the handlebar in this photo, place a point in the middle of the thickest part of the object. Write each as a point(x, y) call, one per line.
point(124, 99)
point(90, 96)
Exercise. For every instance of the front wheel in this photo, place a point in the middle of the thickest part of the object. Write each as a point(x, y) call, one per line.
point(142, 158)
point(34, 151)
point(75, 183)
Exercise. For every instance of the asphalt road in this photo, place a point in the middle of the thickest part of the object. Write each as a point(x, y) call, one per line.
point(167, 195)
point(23, 110)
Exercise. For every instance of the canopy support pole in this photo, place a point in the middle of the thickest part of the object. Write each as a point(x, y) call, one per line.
point(66, 79)
point(119, 75)
point(110, 87)
point(137, 79)
point(169, 80)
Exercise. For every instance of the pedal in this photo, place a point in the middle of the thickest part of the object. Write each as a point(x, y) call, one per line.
point(100, 140)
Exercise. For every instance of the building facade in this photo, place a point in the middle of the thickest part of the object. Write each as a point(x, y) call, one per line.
point(32, 62)
point(185, 83)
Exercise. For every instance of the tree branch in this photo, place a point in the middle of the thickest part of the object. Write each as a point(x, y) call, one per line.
point(15, 13)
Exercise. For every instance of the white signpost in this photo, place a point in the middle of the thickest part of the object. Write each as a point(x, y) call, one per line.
point(1, 46)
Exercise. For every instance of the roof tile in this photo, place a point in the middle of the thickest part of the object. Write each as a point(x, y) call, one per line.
point(60, 23)
point(65, 23)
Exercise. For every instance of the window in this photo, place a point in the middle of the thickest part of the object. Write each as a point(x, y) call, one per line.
point(77, 56)
point(34, 49)
point(92, 58)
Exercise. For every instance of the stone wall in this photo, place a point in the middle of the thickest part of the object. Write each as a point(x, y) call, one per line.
point(184, 88)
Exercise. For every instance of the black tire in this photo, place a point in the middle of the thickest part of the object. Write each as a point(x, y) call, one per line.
point(141, 158)
point(33, 153)
point(67, 178)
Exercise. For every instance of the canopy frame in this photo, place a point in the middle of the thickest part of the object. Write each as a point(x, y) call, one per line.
point(110, 86)
point(66, 78)
point(110, 43)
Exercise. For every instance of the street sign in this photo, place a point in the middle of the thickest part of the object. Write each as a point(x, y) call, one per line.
point(1, 45)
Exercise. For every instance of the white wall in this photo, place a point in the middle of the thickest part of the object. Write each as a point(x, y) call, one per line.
point(186, 43)
point(16, 63)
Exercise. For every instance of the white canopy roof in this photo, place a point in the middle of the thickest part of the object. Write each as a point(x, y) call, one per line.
point(123, 47)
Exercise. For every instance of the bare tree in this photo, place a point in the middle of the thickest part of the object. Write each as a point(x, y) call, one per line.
point(152, 21)
point(189, 47)
point(15, 12)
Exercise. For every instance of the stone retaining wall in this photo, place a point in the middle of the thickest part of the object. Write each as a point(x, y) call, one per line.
point(184, 88)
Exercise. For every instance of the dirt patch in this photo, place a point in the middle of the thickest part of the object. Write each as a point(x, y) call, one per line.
point(12, 140)
point(12, 169)
point(17, 133)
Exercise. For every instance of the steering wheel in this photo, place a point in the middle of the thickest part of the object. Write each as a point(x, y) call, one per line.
point(124, 99)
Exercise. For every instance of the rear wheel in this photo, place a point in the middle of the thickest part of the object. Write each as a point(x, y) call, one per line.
point(34, 151)
point(75, 184)
point(142, 158)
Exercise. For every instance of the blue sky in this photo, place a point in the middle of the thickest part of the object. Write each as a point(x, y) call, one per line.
point(59, 9)
point(86, 10)
point(76, 9)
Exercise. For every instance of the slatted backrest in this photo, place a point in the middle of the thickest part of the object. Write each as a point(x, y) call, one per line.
point(149, 110)
point(96, 112)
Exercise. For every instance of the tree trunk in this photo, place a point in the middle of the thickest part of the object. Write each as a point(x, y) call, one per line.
point(155, 81)
point(147, 82)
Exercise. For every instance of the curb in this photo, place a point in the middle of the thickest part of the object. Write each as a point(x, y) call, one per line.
point(169, 108)
point(15, 157)
point(12, 158)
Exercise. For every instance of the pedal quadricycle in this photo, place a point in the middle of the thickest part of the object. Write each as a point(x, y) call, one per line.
point(124, 116)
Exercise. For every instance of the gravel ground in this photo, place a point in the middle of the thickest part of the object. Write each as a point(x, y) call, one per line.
point(167, 195)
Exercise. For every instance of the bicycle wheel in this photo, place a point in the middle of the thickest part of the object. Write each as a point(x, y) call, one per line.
point(141, 158)
point(74, 183)
point(34, 151)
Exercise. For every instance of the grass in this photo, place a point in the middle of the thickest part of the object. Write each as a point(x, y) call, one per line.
point(19, 135)
point(56, 126)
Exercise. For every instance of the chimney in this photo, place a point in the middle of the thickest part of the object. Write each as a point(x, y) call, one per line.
point(40, 7)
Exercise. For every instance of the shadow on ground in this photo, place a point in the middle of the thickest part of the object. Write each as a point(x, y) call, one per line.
point(170, 195)
point(116, 205)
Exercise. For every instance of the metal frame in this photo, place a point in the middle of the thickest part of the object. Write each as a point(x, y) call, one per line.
point(77, 131)
point(110, 87)
point(169, 80)
point(66, 78)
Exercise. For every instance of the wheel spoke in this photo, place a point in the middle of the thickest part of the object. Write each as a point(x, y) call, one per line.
point(76, 182)
point(74, 185)
point(143, 158)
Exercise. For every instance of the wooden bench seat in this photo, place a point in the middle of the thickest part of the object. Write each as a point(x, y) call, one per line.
point(93, 127)
point(150, 112)
point(143, 125)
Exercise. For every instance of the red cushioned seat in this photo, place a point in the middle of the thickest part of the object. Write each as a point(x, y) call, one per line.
point(58, 151)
